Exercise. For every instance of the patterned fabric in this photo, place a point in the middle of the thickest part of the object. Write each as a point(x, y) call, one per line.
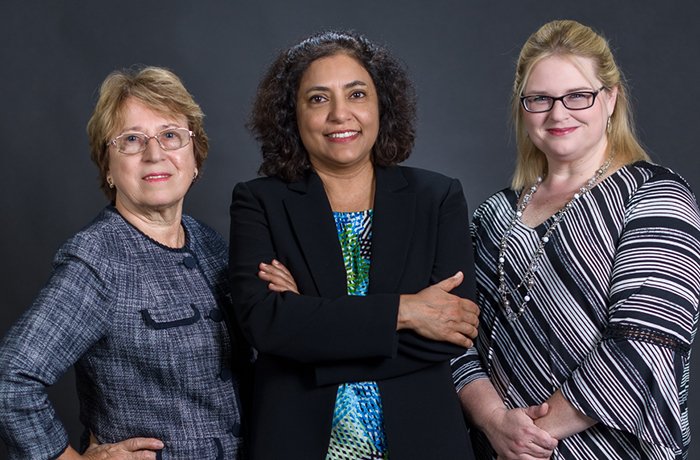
point(358, 421)
point(613, 314)
point(143, 325)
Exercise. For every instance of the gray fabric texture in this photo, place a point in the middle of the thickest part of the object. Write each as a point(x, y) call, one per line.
point(144, 327)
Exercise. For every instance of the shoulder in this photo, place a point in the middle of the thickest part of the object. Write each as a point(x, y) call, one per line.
point(97, 239)
point(422, 182)
point(262, 186)
point(98, 247)
point(642, 172)
point(659, 193)
point(658, 183)
point(199, 229)
point(202, 235)
point(503, 200)
point(422, 177)
point(432, 190)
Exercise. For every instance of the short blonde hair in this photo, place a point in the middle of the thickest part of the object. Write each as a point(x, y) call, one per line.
point(570, 38)
point(157, 88)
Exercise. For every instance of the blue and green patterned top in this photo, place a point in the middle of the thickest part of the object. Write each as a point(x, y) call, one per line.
point(358, 419)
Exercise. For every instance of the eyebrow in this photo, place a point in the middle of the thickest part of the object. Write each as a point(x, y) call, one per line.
point(161, 128)
point(569, 91)
point(352, 84)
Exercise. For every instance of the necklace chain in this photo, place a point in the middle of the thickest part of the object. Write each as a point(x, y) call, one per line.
point(506, 293)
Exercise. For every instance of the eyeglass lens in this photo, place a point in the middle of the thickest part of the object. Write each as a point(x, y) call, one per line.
point(170, 139)
point(574, 101)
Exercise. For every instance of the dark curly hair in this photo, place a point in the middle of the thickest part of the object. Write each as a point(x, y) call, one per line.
point(273, 118)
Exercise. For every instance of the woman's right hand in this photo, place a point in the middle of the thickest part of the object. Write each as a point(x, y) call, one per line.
point(128, 449)
point(514, 435)
point(436, 314)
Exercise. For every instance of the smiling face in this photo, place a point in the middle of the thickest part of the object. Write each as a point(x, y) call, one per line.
point(337, 113)
point(154, 180)
point(564, 134)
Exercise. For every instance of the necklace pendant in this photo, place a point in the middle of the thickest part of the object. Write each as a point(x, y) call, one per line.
point(529, 278)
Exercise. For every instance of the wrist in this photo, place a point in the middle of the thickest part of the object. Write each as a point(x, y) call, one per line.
point(493, 420)
point(69, 454)
point(404, 318)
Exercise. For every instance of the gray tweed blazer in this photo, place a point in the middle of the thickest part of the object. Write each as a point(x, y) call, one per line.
point(143, 325)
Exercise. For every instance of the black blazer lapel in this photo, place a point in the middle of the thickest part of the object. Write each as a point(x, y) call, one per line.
point(312, 221)
point(392, 229)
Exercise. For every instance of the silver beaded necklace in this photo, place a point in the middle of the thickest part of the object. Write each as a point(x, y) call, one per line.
point(529, 279)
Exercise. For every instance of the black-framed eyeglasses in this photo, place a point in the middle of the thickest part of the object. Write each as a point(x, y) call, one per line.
point(168, 139)
point(578, 100)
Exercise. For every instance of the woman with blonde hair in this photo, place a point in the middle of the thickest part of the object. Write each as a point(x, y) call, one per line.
point(588, 274)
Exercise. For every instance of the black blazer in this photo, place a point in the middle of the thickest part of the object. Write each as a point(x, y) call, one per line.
point(308, 344)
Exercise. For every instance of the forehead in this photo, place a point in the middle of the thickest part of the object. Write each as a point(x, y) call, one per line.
point(135, 113)
point(561, 73)
point(338, 68)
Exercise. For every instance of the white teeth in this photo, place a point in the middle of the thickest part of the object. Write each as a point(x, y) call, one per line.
point(342, 135)
point(161, 176)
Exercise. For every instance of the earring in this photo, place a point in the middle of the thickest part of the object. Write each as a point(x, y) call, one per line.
point(196, 173)
point(608, 127)
point(110, 182)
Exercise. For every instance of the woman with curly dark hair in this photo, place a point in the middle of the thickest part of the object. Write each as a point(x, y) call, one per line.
point(350, 274)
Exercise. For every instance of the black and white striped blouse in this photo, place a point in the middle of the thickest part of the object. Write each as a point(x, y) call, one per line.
point(612, 315)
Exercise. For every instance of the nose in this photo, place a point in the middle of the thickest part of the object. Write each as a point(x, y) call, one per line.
point(153, 152)
point(559, 111)
point(339, 110)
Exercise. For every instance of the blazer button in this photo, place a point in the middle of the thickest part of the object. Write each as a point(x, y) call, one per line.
point(216, 315)
point(225, 374)
point(189, 262)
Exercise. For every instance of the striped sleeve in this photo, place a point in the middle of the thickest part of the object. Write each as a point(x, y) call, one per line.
point(636, 379)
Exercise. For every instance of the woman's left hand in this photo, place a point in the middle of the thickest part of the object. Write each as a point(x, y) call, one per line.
point(278, 277)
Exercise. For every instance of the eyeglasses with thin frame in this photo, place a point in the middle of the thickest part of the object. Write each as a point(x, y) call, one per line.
point(578, 100)
point(168, 139)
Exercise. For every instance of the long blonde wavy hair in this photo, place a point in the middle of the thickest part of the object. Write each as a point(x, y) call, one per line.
point(570, 38)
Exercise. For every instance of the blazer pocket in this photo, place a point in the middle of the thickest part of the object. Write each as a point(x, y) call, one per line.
point(165, 319)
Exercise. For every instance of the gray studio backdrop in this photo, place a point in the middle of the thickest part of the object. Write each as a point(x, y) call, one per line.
point(460, 53)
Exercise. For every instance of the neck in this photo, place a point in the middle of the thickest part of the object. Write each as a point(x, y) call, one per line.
point(349, 190)
point(561, 186)
point(164, 226)
point(573, 173)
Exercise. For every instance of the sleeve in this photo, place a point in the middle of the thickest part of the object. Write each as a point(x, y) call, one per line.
point(636, 380)
point(349, 337)
point(66, 319)
point(454, 243)
point(303, 328)
point(468, 367)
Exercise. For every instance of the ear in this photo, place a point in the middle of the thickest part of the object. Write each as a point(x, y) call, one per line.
point(610, 99)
